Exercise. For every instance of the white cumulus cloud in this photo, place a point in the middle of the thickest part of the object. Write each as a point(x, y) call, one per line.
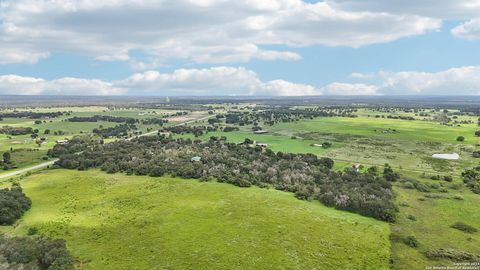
point(19, 85)
point(212, 81)
point(454, 81)
point(207, 31)
point(468, 30)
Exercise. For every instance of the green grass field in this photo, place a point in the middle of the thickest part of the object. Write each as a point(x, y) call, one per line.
point(432, 227)
point(143, 222)
point(409, 150)
point(130, 222)
point(70, 129)
point(368, 141)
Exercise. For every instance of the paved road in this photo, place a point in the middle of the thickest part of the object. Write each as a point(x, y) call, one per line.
point(46, 164)
point(24, 170)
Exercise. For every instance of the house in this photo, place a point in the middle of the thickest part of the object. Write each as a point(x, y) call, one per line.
point(196, 159)
point(62, 142)
point(318, 144)
point(260, 131)
point(263, 145)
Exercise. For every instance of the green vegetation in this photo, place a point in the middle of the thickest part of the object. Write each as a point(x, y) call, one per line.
point(308, 176)
point(144, 222)
point(464, 227)
point(13, 203)
point(34, 253)
point(141, 222)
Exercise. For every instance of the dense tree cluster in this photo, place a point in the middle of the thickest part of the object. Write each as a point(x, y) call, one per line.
point(471, 178)
point(116, 131)
point(154, 121)
point(400, 117)
point(34, 253)
point(306, 175)
point(184, 129)
point(104, 118)
point(31, 115)
point(76, 145)
point(282, 114)
point(230, 129)
point(13, 203)
point(14, 131)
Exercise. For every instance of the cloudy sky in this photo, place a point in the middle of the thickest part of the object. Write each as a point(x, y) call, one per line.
point(240, 47)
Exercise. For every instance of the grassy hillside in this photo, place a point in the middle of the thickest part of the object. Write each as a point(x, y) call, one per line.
point(429, 217)
point(130, 222)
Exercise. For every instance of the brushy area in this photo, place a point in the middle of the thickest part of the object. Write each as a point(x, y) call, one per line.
point(306, 175)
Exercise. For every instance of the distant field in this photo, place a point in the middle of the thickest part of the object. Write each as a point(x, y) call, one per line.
point(372, 141)
point(130, 222)
point(70, 129)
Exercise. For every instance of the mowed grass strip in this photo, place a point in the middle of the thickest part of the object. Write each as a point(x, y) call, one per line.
point(133, 222)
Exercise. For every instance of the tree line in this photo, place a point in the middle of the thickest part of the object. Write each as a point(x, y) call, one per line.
point(30, 115)
point(15, 131)
point(306, 175)
point(103, 118)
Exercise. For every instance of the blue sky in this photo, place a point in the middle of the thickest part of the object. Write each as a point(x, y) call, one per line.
point(219, 47)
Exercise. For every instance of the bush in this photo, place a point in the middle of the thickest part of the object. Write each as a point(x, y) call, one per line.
point(326, 145)
point(464, 227)
point(404, 204)
point(452, 254)
point(411, 241)
point(458, 197)
point(412, 217)
point(460, 139)
point(157, 171)
point(448, 178)
point(32, 231)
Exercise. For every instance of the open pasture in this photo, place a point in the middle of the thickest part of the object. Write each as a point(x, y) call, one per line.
point(132, 222)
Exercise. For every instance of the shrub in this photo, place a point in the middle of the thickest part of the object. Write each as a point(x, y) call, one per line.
point(464, 227)
point(32, 231)
point(448, 178)
point(460, 139)
point(452, 254)
point(443, 190)
point(411, 241)
point(412, 217)
point(326, 145)
point(404, 204)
